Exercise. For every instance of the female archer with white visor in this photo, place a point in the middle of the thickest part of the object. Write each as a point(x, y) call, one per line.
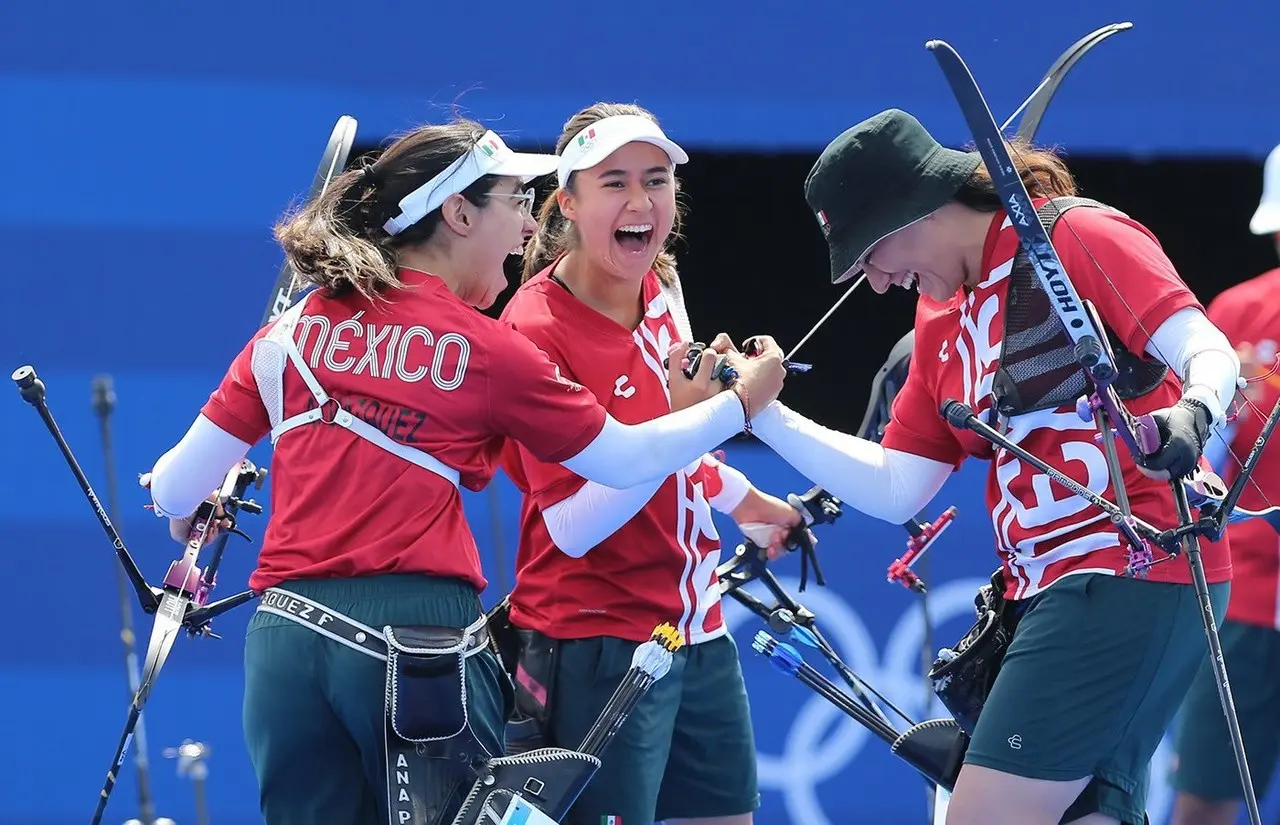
point(598, 568)
point(385, 391)
point(1098, 661)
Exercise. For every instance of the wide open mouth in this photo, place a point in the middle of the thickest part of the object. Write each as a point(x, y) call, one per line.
point(634, 238)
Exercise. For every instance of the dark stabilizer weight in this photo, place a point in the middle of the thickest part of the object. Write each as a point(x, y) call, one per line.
point(958, 415)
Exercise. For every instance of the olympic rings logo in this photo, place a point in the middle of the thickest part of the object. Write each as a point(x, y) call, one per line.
point(822, 742)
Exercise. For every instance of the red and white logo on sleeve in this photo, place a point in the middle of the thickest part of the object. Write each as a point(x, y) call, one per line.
point(573, 386)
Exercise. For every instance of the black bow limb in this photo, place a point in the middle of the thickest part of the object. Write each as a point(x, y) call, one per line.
point(181, 602)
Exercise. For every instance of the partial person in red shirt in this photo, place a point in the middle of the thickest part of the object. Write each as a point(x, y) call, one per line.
point(1205, 774)
point(598, 568)
point(385, 391)
point(1098, 661)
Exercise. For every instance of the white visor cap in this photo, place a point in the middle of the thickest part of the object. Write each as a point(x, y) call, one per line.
point(1266, 220)
point(604, 137)
point(490, 156)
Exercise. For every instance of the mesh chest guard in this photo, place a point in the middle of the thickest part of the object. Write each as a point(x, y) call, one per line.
point(1038, 367)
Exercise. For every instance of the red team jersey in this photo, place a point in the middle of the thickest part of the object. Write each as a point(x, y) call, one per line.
point(427, 370)
point(1043, 532)
point(660, 565)
point(1248, 314)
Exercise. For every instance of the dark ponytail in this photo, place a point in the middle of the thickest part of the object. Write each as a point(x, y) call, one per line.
point(555, 235)
point(1043, 173)
point(338, 242)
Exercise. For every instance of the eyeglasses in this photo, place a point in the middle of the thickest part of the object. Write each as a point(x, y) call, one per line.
point(526, 199)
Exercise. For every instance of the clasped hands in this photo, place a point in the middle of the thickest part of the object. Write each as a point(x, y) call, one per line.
point(764, 519)
point(760, 373)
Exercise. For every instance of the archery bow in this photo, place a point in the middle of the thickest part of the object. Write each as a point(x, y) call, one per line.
point(1036, 104)
point(1044, 260)
point(332, 162)
point(749, 562)
point(788, 617)
point(184, 585)
point(182, 602)
point(922, 534)
point(1092, 351)
point(1105, 408)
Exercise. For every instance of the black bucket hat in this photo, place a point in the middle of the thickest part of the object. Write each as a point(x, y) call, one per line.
point(877, 177)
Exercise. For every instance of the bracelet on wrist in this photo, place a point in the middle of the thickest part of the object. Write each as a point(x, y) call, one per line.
point(744, 398)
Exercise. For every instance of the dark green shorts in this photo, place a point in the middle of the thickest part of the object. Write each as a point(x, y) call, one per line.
point(313, 708)
point(1096, 671)
point(687, 750)
point(1205, 763)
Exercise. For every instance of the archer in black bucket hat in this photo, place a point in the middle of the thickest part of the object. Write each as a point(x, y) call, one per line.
point(877, 177)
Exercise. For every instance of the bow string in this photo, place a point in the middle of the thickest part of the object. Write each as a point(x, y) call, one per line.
point(1147, 334)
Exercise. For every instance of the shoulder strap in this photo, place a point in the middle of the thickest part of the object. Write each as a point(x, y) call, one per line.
point(1052, 209)
point(269, 356)
point(675, 305)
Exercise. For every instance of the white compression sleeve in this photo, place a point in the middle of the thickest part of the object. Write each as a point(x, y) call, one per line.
point(595, 512)
point(886, 484)
point(1201, 356)
point(734, 486)
point(194, 468)
point(624, 455)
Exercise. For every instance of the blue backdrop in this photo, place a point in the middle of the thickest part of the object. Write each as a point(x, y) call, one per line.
point(199, 116)
point(150, 146)
point(215, 77)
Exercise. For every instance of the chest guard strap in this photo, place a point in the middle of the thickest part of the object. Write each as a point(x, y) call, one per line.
point(277, 348)
point(1038, 368)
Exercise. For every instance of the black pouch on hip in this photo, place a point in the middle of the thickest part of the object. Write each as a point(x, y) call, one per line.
point(427, 689)
point(433, 753)
point(962, 676)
